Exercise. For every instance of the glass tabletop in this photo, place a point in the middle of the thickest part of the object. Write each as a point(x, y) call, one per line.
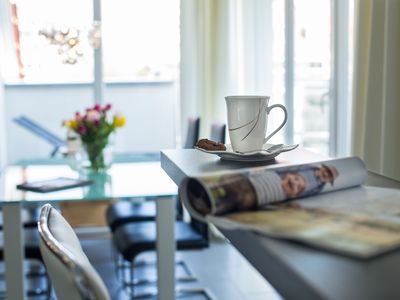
point(128, 177)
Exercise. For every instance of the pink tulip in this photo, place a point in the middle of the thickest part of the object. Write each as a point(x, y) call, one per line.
point(82, 130)
point(107, 107)
point(93, 116)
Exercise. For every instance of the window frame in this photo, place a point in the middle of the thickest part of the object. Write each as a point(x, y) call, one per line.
point(340, 104)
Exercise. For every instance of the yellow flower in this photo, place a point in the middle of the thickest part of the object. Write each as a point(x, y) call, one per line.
point(73, 124)
point(119, 121)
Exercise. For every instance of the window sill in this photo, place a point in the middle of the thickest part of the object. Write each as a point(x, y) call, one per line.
point(88, 83)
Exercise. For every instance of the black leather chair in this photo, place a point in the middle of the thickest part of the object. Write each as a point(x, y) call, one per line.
point(124, 212)
point(192, 132)
point(218, 132)
point(132, 239)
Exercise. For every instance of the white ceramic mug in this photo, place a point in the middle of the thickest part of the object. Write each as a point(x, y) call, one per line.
point(247, 121)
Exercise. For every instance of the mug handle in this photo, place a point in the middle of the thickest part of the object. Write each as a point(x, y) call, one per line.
point(282, 124)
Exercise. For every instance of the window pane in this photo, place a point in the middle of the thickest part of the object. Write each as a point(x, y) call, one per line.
point(44, 61)
point(312, 48)
point(278, 70)
point(140, 38)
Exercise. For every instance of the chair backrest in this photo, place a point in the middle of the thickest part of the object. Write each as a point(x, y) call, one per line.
point(192, 137)
point(192, 134)
point(40, 131)
point(218, 132)
point(68, 267)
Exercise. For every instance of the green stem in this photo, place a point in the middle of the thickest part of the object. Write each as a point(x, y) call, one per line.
point(95, 153)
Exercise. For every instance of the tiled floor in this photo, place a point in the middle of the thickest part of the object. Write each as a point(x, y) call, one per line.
point(221, 269)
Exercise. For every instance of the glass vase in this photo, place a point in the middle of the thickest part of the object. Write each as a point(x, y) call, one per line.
point(99, 156)
point(101, 185)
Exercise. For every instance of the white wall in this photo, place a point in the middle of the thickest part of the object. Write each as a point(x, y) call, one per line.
point(148, 107)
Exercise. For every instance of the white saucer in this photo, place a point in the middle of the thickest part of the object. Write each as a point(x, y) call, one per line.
point(269, 152)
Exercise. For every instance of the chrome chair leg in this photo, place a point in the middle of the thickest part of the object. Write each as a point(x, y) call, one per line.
point(147, 281)
point(131, 283)
point(194, 291)
point(132, 287)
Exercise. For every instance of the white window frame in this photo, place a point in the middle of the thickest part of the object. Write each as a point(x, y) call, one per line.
point(340, 104)
point(340, 94)
point(98, 83)
point(289, 69)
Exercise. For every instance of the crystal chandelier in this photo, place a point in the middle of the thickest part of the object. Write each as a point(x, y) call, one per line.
point(69, 40)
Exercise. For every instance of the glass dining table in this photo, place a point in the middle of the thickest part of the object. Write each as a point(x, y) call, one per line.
point(130, 176)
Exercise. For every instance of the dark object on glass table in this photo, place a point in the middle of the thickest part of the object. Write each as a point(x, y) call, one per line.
point(52, 185)
point(42, 132)
point(71, 273)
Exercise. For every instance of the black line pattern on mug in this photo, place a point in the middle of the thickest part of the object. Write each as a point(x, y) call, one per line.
point(256, 120)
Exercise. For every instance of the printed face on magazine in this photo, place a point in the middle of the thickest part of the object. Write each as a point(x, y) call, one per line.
point(327, 174)
point(293, 184)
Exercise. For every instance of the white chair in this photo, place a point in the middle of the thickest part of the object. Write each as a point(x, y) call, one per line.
point(69, 269)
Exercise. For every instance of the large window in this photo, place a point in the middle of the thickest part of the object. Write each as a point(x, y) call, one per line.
point(308, 69)
point(305, 72)
point(39, 29)
point(313, 59)
point(140, 39)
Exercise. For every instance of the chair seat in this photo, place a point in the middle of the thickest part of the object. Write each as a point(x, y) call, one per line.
point(32, 250)
point(124, 212)
point(133, 238)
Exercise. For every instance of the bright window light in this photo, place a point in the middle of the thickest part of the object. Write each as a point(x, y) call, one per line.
point(140, 40)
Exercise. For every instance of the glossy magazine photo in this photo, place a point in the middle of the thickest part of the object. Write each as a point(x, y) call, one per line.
point(323, 204)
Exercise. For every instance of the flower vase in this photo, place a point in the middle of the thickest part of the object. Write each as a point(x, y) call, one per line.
point(95, 129)
point(99, 156)
point(100, 187)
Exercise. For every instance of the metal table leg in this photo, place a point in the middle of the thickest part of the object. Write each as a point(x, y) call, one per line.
point(166, 246)
point(14, 251)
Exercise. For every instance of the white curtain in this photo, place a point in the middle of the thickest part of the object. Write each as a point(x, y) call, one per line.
point(376, 105)
point(225, 50)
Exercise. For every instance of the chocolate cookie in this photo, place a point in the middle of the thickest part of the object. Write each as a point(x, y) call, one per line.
point(210, 145)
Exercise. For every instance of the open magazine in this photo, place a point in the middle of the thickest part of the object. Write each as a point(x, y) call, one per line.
point(321, 204)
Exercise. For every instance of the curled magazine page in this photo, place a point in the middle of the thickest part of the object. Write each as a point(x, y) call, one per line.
point(255, 188)
point(348, 233)
point(354, 220)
